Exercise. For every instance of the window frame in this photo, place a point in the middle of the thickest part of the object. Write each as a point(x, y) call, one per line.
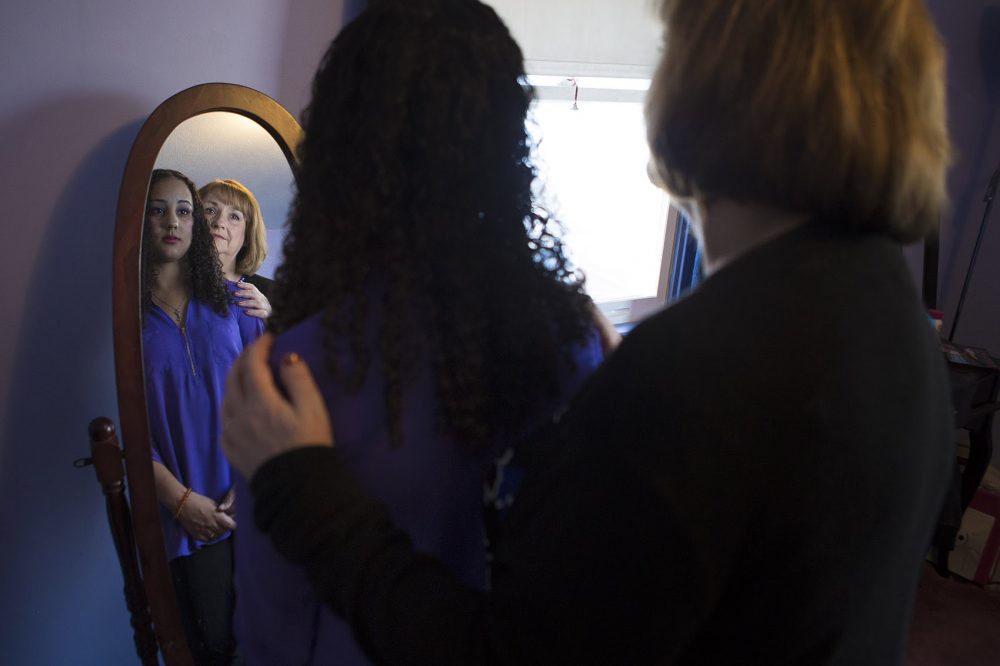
point(610, 83)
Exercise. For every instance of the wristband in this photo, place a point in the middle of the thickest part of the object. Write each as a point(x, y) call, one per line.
point(180, 504)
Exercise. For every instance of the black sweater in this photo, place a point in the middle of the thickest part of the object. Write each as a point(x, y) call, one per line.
point(752, 477)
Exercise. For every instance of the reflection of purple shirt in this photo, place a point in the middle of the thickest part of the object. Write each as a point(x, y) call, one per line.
point(185, 375)
point(432, 487)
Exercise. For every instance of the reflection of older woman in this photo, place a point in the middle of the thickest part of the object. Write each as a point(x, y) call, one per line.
point(191, 336)
point(233, 214)
point(706, 499)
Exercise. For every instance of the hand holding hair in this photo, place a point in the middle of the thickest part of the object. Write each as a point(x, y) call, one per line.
point(258, 421)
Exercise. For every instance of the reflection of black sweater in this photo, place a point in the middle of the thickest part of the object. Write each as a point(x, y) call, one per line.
point(262, 283)
point(752, 478)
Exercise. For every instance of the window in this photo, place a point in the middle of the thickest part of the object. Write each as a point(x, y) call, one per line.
point(592, 154)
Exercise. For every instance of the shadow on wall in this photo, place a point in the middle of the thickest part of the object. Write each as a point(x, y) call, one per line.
point(969, 205)
point(62, 598)
point(989, 51)
point(305, 44)
point(975, 113)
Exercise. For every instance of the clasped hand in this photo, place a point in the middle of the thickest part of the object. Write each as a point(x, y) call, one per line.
point(205, 520)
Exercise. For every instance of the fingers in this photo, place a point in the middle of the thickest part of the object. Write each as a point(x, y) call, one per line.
point(257, 385)
point(224, 523)
point(232, 395)
point(236, 397)
point(298, 380)
point(236, 391)
point(259, 422)
point(307, 401)
point(301, 386)
point(251, 297)
point(227, 502)
point(237, 383)
point(247, 290)
point(203, 520)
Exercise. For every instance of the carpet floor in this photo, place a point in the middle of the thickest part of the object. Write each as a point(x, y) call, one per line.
point(955, 623)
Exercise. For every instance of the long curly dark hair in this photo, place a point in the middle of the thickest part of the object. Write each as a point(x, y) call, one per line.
point(415, 191)
point(202, 268)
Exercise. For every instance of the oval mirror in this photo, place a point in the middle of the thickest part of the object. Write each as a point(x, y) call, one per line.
point(207, 132)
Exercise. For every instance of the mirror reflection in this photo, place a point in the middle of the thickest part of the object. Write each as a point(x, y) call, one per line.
point(230, 146)
point(206, 270)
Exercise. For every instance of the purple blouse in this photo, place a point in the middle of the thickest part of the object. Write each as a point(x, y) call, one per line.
point(185, 374)
point(431, 486)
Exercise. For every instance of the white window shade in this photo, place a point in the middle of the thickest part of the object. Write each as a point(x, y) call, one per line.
point(618, 38)
point(592, 160)
point(590, 63)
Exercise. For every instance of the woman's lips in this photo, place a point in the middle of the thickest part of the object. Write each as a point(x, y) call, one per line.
point(170, 240)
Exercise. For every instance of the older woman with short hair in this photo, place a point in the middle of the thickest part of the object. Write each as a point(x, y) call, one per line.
point(237, 224)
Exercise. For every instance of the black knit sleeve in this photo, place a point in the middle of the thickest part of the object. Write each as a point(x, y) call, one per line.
point(404, 607)
point(263, 284)
point(599, 561)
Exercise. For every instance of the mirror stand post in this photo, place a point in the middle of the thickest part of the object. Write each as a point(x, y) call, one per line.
point(106, 456)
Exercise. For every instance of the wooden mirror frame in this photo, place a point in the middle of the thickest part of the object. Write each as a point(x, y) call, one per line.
point(127, 323)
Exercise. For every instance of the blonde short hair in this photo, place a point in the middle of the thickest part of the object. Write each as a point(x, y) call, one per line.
point(232, 193)
point(834, 108)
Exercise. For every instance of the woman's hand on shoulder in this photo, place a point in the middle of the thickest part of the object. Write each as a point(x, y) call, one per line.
point(252, 301)
point(258, 422)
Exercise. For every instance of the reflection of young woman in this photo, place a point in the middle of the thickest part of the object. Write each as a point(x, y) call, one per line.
point(237, 225)
point(708, 498)
point(191, 336)
point(422, 279)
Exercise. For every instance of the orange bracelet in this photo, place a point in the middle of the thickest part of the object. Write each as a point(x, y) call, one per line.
point(180, 504)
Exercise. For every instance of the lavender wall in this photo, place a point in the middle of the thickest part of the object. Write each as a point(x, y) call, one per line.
point(974, 120)
point(79, 78)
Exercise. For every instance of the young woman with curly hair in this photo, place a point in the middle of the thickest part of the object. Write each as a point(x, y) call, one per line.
point(423, 279)
point(191, 335)
point(754, 476)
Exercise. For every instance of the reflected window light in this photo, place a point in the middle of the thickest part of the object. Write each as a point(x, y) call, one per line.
point(592, 162)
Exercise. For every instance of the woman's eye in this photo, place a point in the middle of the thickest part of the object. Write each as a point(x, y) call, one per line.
point(156, 211)
point(183, 212)
point(236, 217)
point(210, 211)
